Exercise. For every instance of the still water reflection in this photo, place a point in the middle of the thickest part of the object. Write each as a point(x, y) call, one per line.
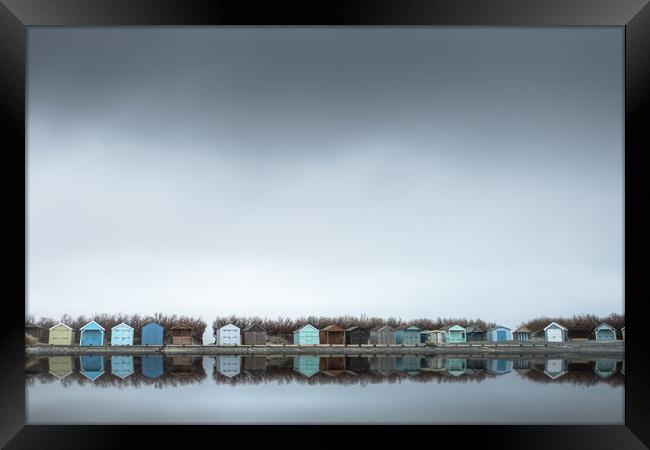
point(316, 389)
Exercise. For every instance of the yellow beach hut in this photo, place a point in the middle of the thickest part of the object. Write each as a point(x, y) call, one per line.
point(61, 334)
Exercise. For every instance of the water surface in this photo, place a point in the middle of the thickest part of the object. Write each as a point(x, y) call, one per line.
point(118, 389)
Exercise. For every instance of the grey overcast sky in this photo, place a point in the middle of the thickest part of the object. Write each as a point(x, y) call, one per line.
point(408, 172)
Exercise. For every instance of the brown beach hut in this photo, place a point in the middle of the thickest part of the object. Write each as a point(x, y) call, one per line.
point(332, 365)
point(181, 335)
point(254, 334)
point(357, 336)
point(579, 332)
point(332, 334)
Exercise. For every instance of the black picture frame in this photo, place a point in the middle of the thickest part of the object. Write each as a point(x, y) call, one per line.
point(634, 15)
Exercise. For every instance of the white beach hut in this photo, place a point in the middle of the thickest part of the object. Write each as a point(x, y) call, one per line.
point(228, 335)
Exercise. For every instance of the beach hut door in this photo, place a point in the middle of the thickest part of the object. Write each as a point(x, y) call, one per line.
point(501, 335)
point(554, 334)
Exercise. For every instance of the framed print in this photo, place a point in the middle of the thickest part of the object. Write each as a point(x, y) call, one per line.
point(344, 216)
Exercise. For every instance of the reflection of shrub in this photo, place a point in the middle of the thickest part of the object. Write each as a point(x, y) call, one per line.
point(30, 340)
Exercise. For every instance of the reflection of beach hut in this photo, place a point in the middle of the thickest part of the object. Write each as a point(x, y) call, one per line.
point(306, 335)
point(61, 334)
point(555, 368)
point(229, 365)
point(33, 330)
point(579, 332)
point(522, 364)
point(152, 366)
point(332, 365)
point(61, 366)
point(407, 335)
point(435, 364)
point(152, 334)
point(254, 365)
point(180, 365)
point(522, 334)
point(382, 335)
point(181, 334)
point(605, 333)
point(121, 365)
point(605, 368)
point(306, 365)
point(357, 364)
point(92, 366)
point(554, 332)
point(122, 334)
point(332, 334)
point(454, 334)
point(499, 334)
point(357, 336)
point(456, 366)
point(499, 366)
point(409, 364)
point(228, 335)
point(254, 334)
point(383, 365)
point(475, 334)
point(92, 334)
point(476, 365)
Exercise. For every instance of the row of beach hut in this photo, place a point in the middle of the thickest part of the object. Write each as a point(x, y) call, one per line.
point(92, 334)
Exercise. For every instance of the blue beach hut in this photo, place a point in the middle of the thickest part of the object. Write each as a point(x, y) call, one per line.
point(152, 334)
point(152, 366)
point(408, 335)
point(499, 334)
point(454, 334)
point(605, 333)
point(122, 334)
point(121, 366)
point(92, 334)
point(92, 366)
point(306, 335)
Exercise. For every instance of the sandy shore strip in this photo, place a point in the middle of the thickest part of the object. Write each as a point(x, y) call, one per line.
point(588, 348)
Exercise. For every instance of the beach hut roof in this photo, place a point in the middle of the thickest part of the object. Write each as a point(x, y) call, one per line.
point(383, 327)
point(332, 328)
point(122, 325)
point(453, 327)
point(580, 326)
point(498, 327)
point(229, 326)
point(523, 330)
point(555, 324)
point(181, 326)
point(32, 325)
point(92, 325)
point(305, 326)
point(152, 324)
point(356, 327)
point(605, 325)
point(61, 324)
point(623, 328)
point(473, 329)
point(254, 327)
